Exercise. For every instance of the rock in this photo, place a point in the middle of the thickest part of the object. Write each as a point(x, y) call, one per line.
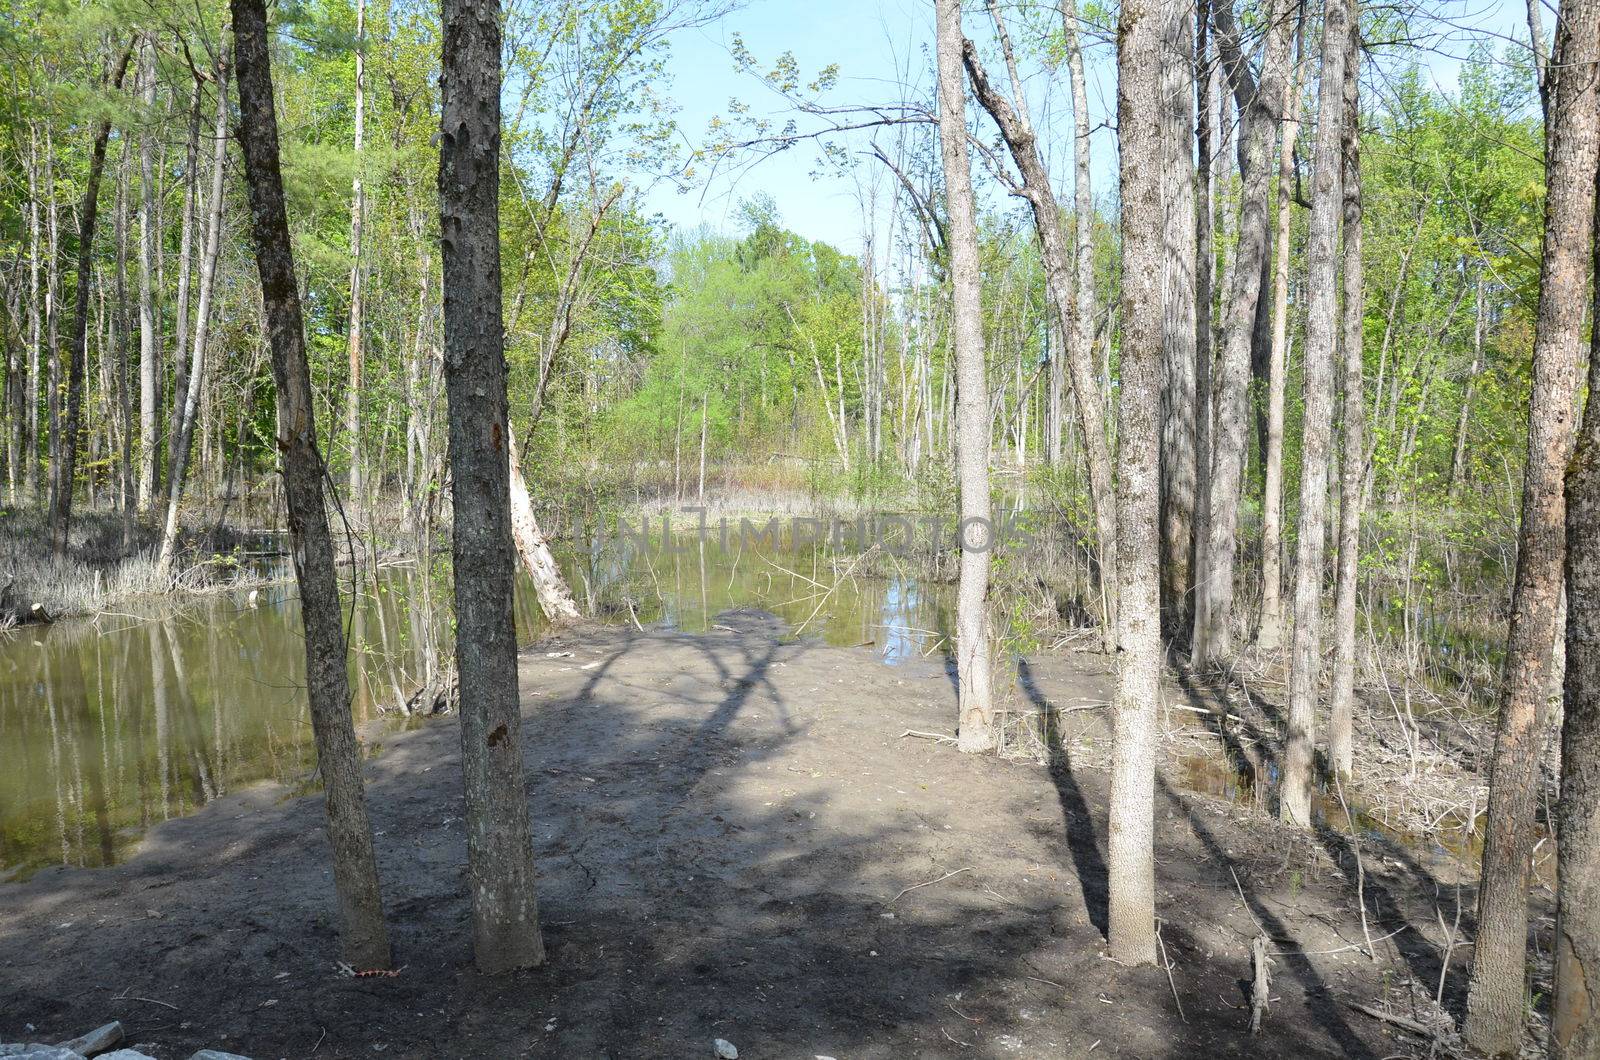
point(37, 1051)
point(96, 1041)
point(216, 1054)
point(724, 1050)
point(125, 1054)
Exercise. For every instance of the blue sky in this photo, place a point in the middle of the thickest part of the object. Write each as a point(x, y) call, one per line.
point(877, 44)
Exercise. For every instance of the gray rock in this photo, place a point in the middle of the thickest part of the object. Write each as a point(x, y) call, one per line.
point(125, 1054)
point(36, 1051)
point(216, 1054)
point(96, 1041)
point(724, 1050)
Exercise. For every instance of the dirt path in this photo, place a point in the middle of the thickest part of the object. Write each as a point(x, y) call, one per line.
point(734, 841)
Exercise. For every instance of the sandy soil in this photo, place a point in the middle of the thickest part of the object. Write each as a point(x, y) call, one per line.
point(735, 841)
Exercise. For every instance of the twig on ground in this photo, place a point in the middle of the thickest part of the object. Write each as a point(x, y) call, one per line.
point(927, 736)
point(930, 883)
point(1166, 963)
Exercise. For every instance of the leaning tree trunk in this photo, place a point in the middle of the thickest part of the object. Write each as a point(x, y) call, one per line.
point(1131, 857)
point(1089, 399)
point(555, 597)
point(1495, 1001)
point(1179, 417)
point(1259, 104)
point(1322, 337)
point(505, 912)
point(77, 342)
point(976, 730)
point(183, 426)
point(1342, 708)
point(364, 938)
point(1269, 635)
point(1575, 1012)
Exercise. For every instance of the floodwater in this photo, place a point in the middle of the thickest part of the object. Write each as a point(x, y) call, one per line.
point(112, 724)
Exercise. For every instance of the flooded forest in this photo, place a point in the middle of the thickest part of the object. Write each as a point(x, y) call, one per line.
point(671, 528)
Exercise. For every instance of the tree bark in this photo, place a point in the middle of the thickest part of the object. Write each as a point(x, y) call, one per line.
point(505, 914)
point(1495, 1000)
point(1130, 861)
point(1178, 383)
point(149, 331)
point(1204, 265)
point(1322, 337)
point(1269, 636)
point(180, 350)
point(358, 210)
point(1353, 447)
point(1259, 105)
point(977, 729)
point(183, 425)
point(1088, 398)
point(364, 938)
point(77, 349)
point(555, 596)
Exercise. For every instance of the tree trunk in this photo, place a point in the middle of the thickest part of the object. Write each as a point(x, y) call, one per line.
point(183, 426)
point(1458, 454)
point(35, 326)
point(149, 333)
point(1259, 105)
point(1178, 385)
point(1130, 861)
point(358, 209)
point(1353, 451)
point(1270, 634)
point(505, 914)
point(77, 349)
point(555, 597)
point(364, 938)
point(1575, 1011)
point(1497, 992)
point(976, 730)
point(1204, 264)
point(1322, 337)
point(1088, 397)
point(180, 337)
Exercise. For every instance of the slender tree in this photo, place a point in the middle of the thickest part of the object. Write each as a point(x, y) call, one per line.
point(64, 467)
point(363, 935)
point(358, 211)
point(1353, 415)
point(976, 730)
point(1259, 103)
point(1131, 858)
point(1322, 337)
point(1497, 992)
point(149, 251)
point(505, 912)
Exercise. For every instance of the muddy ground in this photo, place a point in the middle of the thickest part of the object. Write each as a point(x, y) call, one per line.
point(736, 841)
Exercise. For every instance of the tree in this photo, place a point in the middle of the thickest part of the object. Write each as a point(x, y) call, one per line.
point(1575, 1011)
point(364, 938)
point(1131, 858)
point(1322, 337)
point(358, 211)
point(1259, 104)
point(64, 467)
point(505, 911)
point(1497, 991)
point(149, 329)
point(1353, 454)
point(976, 731)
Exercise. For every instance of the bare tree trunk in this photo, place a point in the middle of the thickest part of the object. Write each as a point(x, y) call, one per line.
point(149, 333)
point(1353, 452)
point(1178, 419)
point(1259, 105)
point(1458, 454)
point(180, 351)
point(1089, 399)
point(52, 316)
point(555, 597)
point(976, 730)
point(128, 476)
point(1575, 1012)
point(183, 426)
point(77, 351)
point(1270, 634)
point(1495, 1000)
point(505, 912)
point(1204, 263)
point(1131, 860)
point(35, 328)
point(1322, 337)
point(358, 209)
point(364, 938)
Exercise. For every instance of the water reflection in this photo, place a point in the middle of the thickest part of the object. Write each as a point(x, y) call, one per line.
point(113, 724)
